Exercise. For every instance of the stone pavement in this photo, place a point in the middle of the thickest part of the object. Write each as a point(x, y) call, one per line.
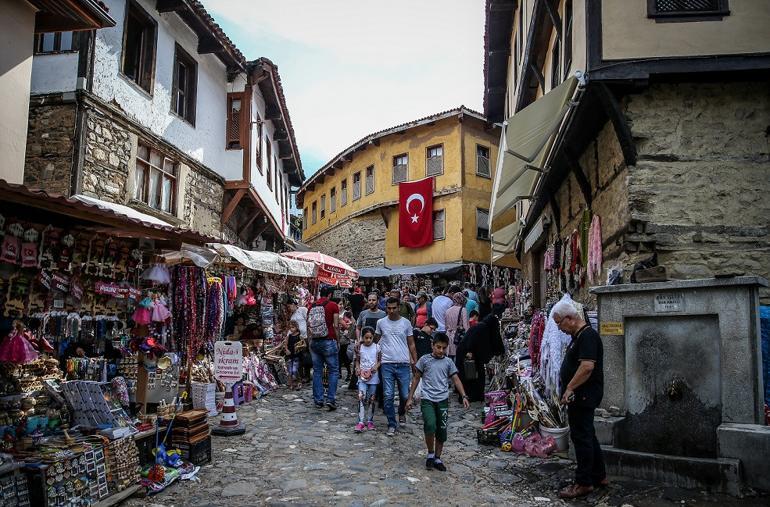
point(293, 453)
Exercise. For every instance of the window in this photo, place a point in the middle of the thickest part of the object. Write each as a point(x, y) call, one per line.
point(304, 219)
point(234, 128)
point(344, 192)
point(56, 42)
point(333, 200)
point(482, 223)
point(258, 147)
point(280, 198)
point(184, 86)
point(370, 180)
point(687, 8)
point(315, 212)
point(482, 161)
point(515, 64)
point(555, 74)
point(155, 179)
point(400, 168)
point(439, 230)
point(520, 35)
point(269, 175)
point(277, 173)
point(357, 185)
point(139, 47)
point(435, 161)
point(323, 205)
point(567, 37)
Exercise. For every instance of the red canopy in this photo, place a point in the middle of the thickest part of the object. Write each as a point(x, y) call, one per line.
point(330, 269)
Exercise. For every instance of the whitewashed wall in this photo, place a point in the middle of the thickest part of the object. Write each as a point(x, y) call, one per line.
point(54, 73)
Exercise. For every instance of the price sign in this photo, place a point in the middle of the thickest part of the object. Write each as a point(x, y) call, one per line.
point(228, 361)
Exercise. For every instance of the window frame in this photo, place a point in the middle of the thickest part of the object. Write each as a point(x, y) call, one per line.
point(479, 236)
point(555, 63)
point(568, 16)
point(258, 147)
point(722, 9)
point(148, 21)
point(304, 218)
point(314, 209)
point(191, 95)
point(344, 192)
point(366, 180)
point(358, 173)
point(230, 142)
point(149, 167)
point(323, 206)
point(439, 146)
point(333, 200)
point(489, 161)
point(269, 154)
point(57, 36)
point(406, 168)
point(436, 212)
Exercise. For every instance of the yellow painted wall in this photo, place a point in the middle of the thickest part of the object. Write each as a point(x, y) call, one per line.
point(464, 189)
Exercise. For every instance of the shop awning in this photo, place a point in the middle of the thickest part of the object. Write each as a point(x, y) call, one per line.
point(330, 269)
point(524, 147)
point(446, 268)
point(266, 262)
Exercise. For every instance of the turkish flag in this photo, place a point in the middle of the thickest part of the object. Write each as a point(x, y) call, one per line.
point(415, 213)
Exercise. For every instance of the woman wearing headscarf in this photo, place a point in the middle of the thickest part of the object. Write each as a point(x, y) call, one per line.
point(485, 302)
point(456, 317)
point(482, 342)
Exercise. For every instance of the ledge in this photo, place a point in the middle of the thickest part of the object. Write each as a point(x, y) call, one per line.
point(699, 283)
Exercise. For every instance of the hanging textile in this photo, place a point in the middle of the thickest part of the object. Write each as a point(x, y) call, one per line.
point(595, 250)
point(552, 349)
point(535, 338)
point(215, 309)
point(585, 225)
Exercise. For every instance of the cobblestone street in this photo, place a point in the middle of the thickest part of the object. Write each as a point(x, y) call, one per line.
point(293, 453)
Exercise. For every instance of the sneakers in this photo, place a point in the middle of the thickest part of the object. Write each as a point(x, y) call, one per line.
point(332, 406)
point(391, 431)
point(439, 465)
point(370, 426)
point(430, 463)
point(359, 427)
point(402, 419)
point(319, 404)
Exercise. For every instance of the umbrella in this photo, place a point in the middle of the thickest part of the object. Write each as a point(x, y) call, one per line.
point(330, 269)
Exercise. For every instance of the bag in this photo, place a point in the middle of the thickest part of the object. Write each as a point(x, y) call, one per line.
point(316, 322)
point(300, 346)
point(469, 367)
point(460, 331)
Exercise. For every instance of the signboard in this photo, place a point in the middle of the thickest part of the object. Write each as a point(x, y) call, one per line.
point(611, 329)
point(669, 302)
point(228, 361)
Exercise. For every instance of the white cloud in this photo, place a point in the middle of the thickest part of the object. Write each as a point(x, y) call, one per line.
point(350, 68)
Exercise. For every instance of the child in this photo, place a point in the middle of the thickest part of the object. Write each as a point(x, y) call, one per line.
point(435, 370)
point(473, 318)
point(368, 361)
point(293, 355)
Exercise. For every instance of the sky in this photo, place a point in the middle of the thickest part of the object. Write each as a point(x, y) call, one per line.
point(350, 68)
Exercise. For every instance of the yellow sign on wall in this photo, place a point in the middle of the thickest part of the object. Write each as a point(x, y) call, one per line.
point(611, 328)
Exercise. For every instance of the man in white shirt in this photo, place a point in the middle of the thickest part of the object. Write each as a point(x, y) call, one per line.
point(394, 335)
point(440, 305)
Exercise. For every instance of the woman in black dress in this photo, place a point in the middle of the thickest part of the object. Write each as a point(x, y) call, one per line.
point(482, 342)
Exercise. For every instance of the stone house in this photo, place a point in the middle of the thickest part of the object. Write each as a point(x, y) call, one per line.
point(351, 203)
point(663, 133)
point(163, 113)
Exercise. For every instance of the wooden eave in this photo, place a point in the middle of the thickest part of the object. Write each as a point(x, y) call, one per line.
point(70, 15)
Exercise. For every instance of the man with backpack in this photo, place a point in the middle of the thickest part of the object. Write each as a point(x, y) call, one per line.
point(322, 324)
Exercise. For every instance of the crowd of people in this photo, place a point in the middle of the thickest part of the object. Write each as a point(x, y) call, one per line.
point(395, 341)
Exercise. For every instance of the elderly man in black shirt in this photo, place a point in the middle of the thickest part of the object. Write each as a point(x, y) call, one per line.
point(582, 384)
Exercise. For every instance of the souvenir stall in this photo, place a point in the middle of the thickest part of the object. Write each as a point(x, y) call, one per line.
point(83, 309)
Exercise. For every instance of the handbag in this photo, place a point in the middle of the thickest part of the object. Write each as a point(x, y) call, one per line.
point(300, 346)
point(469, 368)
point(460, 331)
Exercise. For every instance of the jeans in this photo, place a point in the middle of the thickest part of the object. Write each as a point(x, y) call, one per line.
point(590, 462)
point(390, 374)
point(366, 401)
point(325, 352)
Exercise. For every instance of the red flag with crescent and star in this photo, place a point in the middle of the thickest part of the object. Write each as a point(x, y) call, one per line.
point(415, 213)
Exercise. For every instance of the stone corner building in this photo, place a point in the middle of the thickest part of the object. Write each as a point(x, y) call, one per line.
point(665, 139)
point(163, 113)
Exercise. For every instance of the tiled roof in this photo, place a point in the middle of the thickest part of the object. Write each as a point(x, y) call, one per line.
point(212, 25)
point(392, 130)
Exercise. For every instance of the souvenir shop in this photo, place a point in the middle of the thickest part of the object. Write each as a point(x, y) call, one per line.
point(428, 276)
point(522, 412)
point(108, 319)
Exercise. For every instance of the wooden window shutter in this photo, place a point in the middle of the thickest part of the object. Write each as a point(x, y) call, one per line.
point(235, 119)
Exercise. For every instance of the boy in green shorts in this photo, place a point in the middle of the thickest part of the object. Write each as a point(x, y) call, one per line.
point(435, 370)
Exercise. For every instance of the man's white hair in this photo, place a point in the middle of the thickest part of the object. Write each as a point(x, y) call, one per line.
point(563, 309)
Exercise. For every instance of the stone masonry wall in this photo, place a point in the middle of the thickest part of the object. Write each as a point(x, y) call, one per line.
point(50, 146)
point(203, 203)
point(360, 241)
point(699, 192)
point(108, 158)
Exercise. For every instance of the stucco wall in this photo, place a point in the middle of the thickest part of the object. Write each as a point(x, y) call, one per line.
point(17, 26)
point(627, 32)
point(50, 147)
point(54, 73)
